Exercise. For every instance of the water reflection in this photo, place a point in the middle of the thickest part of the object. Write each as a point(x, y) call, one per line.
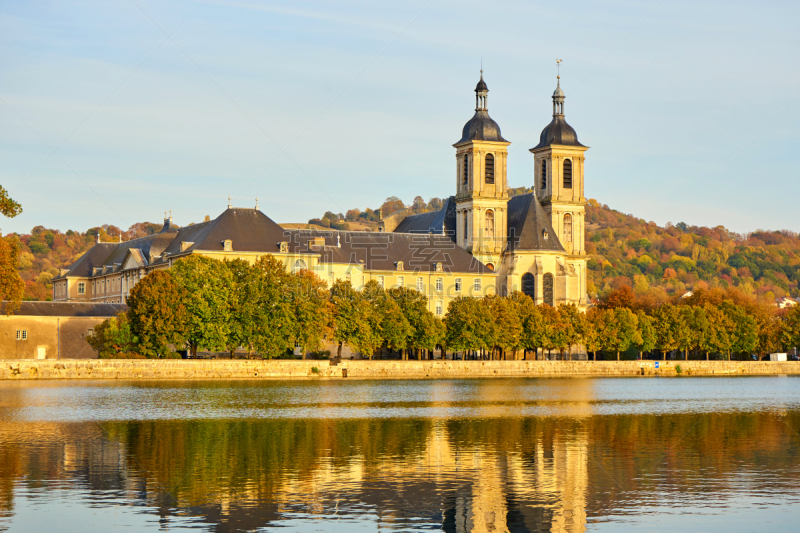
point(484, 471)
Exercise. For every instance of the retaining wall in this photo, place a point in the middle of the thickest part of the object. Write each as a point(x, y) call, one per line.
point(275, 369)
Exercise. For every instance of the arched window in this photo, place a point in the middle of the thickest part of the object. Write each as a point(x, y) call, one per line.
point(544, 173)
point(529, 285)
point(465, 170)
point(547, 290)
point(488, 231)
point(567, 228)
point(489, 168)
point(490, 266)
point(567, 174)
point(466, 227)
point(299, 265)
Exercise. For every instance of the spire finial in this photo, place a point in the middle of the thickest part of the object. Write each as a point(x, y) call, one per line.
point(165, 214)
point(229, 202)
point(256, 202)
point(170, 216)
point(481, 67)
point(558, 67)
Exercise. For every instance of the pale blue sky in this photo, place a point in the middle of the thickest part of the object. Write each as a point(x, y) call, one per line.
point(690, 107)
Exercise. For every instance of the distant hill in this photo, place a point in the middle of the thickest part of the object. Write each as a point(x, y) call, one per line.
point(624, 250)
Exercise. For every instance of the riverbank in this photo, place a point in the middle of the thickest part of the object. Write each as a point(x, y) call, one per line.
point(293, 369)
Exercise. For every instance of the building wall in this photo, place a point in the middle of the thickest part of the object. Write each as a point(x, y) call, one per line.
point(47, 337)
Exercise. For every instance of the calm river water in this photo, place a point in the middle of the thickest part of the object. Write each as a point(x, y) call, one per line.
point(636, 454)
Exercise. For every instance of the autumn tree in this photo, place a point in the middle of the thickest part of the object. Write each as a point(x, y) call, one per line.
point(388, 320)
point(158, 314)
point(113, 337)
point(507, 330)
point(12, 288)
point(310, 305)
point(427, 331)
point(573, 324)
point(669, 328)
point(647, 332)
point(624, 332)
point(593, 334)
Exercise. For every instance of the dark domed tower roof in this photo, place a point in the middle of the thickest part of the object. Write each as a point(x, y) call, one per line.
point(558, 131)
point(481, 127)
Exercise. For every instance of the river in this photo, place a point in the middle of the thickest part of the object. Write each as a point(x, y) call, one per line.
point(490, 455)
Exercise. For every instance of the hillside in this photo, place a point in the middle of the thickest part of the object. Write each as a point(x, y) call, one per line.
point(657, 262)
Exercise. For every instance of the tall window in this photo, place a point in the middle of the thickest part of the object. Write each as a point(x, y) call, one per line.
point(458, 284)
point(544, 173)
point(22, 334)
point(439, 307)
point(488, 232)
point(439, 284)
point(420, 285)
point(529, 285)
point(567, 174)
point(567, 228)
point(476, 285)
point(401, 281)
point(466, 227)
point(381, 280)
point(489, 168)
point(547, 290)
point(465, 171)
point(81, 288)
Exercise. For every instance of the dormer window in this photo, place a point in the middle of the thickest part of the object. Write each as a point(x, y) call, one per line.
point(227, 245)
point(544, 234)
point(185, 245)
point(283, 247)
point(399, 265)
point(437, 267)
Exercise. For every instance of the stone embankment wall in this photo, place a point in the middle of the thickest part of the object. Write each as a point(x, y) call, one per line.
point(290, 369)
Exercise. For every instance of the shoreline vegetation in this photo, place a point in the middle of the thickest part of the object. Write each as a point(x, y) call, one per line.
point(227, 306)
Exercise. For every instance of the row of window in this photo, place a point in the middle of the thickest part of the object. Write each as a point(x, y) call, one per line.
point(566, 174)
point(438, 283)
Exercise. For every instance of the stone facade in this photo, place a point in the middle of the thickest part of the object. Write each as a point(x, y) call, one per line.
point(293, 369)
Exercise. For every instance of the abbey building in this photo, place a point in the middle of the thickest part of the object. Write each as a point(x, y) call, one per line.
point(482, 241)
point(533, 242)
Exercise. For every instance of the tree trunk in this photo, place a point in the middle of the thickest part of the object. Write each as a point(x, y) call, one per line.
point(665, 354)
point(686, 354)
point(707, 358)
point(339, 350)
point(617, 355)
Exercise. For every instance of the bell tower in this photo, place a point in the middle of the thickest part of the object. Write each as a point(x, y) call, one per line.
point(558, 177)
point(481, 184)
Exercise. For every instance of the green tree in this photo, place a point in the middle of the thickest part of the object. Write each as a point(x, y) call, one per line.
point(530, 319)
point(427, 331)
point(113, 337)
point(551, 338)
point(209, 300)
point(388, 319)
point(310, 302)
point(647, 332)
point(593, 333)
point(157, 313)
point(574, 325)
point(353, 320)
point(272, 324)
point(668, 328)
point(624, 332)
point(744, 334)
point(468, 325)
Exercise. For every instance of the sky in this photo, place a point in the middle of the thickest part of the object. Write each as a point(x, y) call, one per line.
point(113, 111)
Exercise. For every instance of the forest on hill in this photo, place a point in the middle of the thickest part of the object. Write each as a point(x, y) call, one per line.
point(657, 262)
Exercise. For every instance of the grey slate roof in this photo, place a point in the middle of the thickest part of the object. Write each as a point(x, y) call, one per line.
point(558, 132)
point(527, 222)
point(442, 222)
point(66, 309)
point(481, 127)
point(381, 251)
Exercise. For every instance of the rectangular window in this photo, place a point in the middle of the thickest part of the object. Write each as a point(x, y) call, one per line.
point(81, 288)
point(401, 281)
point(439, 307)
point(381, 281)
point(22, 334)
point(458, 284)
point(420, 285)
point(439, 285)
point(477, 285)
point(90, 333)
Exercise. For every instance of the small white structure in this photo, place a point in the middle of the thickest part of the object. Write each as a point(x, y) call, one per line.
point(777, 357)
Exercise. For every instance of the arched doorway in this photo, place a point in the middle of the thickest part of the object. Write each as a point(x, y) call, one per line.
point(547, 290)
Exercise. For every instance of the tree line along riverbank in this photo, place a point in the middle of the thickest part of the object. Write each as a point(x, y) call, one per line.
point(222, 306)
